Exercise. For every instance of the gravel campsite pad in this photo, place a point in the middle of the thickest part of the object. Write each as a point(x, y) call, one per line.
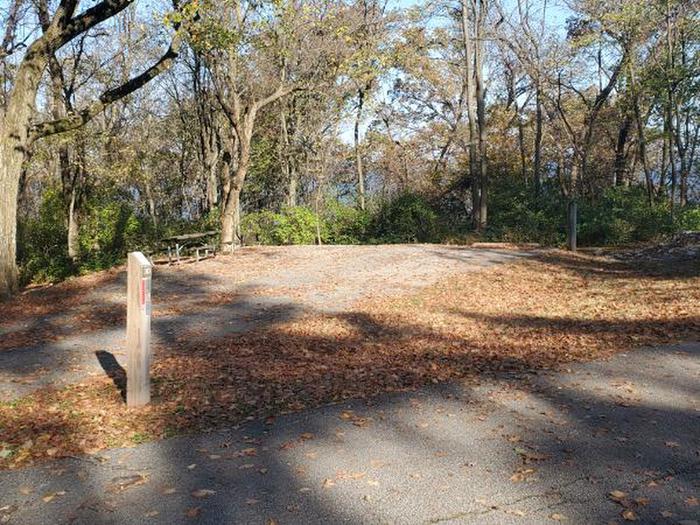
point(50, 335)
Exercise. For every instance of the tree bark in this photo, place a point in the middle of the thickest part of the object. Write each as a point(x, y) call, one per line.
point(358, 153)
point(480, 94)
point(286, 158)
point(14, 140)
point(471, 110)
point(537, 167)
point(620, 157)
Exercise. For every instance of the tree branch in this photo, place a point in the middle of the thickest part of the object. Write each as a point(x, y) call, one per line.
point(71, 27)
point(79, 118)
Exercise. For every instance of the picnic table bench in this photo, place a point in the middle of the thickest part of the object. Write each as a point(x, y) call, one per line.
point(192, 242)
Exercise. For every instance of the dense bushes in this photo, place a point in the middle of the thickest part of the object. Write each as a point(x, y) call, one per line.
point(345, 224)
point(408, 218)
point(107, 232)
point(623, 216)
point(296, 225)
point(518, 213)
point(109, 227)
point(42, 250)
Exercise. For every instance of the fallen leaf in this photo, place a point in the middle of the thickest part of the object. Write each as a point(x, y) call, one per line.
point(52, 495)
point(193, 512)
point(617, 495)
point(203, 493)
point(629, 515)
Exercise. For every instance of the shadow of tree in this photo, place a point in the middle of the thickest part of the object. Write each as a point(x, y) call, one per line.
point(376, 364)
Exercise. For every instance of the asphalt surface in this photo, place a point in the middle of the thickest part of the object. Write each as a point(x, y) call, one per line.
point(603, 442)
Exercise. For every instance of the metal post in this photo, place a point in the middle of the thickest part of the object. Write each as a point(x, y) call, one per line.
point(138, 330)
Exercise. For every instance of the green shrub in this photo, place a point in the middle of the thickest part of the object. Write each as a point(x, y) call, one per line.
point(42, 242)
point(408, 218)
point(258, 227)
point(624, 215)
point(689, 219)
point(345, 224)
point(517, 213)
point(107, 231)
point(295, 225)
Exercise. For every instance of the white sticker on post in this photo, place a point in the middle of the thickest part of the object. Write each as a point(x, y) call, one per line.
point(145, 294)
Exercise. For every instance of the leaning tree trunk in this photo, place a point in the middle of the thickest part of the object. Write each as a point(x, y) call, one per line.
point(11, 158)
point(14, 140)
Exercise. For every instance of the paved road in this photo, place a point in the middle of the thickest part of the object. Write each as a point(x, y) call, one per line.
point(256, 287)
point(544, 448)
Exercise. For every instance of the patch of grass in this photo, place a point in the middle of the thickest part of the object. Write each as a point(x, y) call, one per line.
point(140, 437)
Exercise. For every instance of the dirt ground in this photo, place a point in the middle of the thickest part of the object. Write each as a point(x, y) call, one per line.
point(49, 335)
point(272, 331)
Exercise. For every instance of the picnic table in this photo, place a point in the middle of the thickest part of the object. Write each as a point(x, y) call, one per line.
point(192, 242)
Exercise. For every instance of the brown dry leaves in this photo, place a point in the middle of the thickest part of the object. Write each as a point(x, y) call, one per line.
point(528, 315)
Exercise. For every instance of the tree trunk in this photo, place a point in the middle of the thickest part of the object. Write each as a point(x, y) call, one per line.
point(521, 142)
point(151, 206)
point(480, 94)
point(10, 168)
point(471, 111)
point(73, 228)
point(231, 216)
point(537, 168)
point(14, 138)
point(358, 153)
point(231, 221)
point(212, 185)
point(620, 157)
point(572, 225)
point(285, 157)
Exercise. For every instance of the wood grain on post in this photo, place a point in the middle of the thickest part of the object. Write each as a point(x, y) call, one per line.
point(138, 330)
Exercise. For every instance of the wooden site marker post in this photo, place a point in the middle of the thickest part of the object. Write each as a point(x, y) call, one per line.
point(138, 330)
